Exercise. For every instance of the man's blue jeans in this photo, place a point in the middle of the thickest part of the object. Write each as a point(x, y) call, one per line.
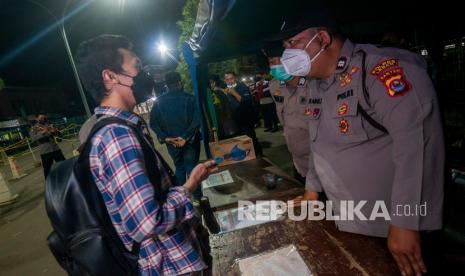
point(185, 159)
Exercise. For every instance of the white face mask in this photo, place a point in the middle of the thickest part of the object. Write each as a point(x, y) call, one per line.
point(232, 85)
point(297, 62)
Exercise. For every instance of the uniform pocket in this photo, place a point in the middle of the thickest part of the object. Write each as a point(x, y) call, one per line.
point(347, 122)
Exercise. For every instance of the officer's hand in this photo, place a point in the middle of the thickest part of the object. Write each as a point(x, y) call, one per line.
point(405, 247)
point(180, 142)
point(308, 195)
point(200, 173)
point(171, 141)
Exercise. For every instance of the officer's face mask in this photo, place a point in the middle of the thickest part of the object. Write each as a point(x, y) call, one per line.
point(142, 86)
point(297, 62)
point(279, 73)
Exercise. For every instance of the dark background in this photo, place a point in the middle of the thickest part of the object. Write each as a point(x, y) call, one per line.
point(32, 53)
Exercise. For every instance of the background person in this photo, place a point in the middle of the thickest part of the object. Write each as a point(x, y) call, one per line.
point(44, 134)
point(240, 100)
point(267, 105)
point(176, 121)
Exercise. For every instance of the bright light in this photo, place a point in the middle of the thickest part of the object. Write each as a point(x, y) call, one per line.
point(162, 48)
point(251, 78)
point(244, 79)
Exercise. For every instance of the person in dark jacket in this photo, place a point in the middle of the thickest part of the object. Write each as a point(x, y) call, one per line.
point(175, 119)
point(241, 103)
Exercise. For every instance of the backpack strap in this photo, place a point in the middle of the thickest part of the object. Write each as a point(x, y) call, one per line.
point(360, 109)
point(151, 165)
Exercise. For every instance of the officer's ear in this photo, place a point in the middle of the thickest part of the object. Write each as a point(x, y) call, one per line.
point(325, 38)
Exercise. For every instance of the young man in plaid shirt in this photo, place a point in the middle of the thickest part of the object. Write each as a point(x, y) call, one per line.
point(169, 246)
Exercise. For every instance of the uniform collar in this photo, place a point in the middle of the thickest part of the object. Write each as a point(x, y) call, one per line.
point(303, 82)
point(341, 65)
point(116, 112)
point(345, 57)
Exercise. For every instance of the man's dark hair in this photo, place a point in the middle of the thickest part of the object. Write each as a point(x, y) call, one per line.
point(97, 54)
point(334, 31)
point(173, 80)
point(215, 78)
point(231, 73)
point(219, 82)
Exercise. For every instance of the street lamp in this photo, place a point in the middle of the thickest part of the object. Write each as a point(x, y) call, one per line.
point(71, 59)
point(165, 51)
point(162, 48)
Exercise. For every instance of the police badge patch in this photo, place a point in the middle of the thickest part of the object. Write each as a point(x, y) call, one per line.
point(344, 126)
point(346, 77)
point(342, 110)
point(312, 112)
point(341, 63)
point(391, 75)
point(307, 111)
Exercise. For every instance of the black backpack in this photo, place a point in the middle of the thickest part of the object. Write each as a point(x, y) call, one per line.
point(84, 241)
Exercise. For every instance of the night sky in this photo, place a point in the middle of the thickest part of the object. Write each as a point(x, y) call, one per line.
point(32, 52)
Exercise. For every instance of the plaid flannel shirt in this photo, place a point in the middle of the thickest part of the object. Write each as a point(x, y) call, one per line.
point(168, 242)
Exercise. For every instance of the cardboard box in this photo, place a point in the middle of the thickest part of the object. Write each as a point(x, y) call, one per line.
point(233, 150)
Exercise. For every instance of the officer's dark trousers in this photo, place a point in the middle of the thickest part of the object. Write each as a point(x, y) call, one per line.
point(269, 115)
point(256, 112)
point(245, 122)
point(185, 159)
point(48, 158)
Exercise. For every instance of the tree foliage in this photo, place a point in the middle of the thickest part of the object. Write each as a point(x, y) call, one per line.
point(245, 65)
point(186, 25)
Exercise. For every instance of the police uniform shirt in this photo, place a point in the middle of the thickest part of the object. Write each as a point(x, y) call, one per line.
point(292, 108)
point(357, 161)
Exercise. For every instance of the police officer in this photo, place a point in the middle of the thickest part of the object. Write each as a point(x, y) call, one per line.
point(43, 133)
point(376, 137)
point(291, 95)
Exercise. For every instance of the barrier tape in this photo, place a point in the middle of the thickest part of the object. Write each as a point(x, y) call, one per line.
point(23, 142)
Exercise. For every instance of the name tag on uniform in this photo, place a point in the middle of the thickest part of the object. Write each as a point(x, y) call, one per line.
point(314, 101)
point(346, 94)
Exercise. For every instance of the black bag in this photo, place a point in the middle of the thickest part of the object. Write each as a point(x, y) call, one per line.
point(84, 241)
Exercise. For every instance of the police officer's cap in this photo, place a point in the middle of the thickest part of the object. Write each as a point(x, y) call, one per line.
point(297, 23)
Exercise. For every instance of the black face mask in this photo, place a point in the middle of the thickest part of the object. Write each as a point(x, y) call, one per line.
point(142, 86)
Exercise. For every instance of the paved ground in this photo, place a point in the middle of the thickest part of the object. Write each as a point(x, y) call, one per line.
point(24, 226)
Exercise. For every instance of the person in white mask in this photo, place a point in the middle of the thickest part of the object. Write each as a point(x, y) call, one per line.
point(240, 101)
point(376, 136)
